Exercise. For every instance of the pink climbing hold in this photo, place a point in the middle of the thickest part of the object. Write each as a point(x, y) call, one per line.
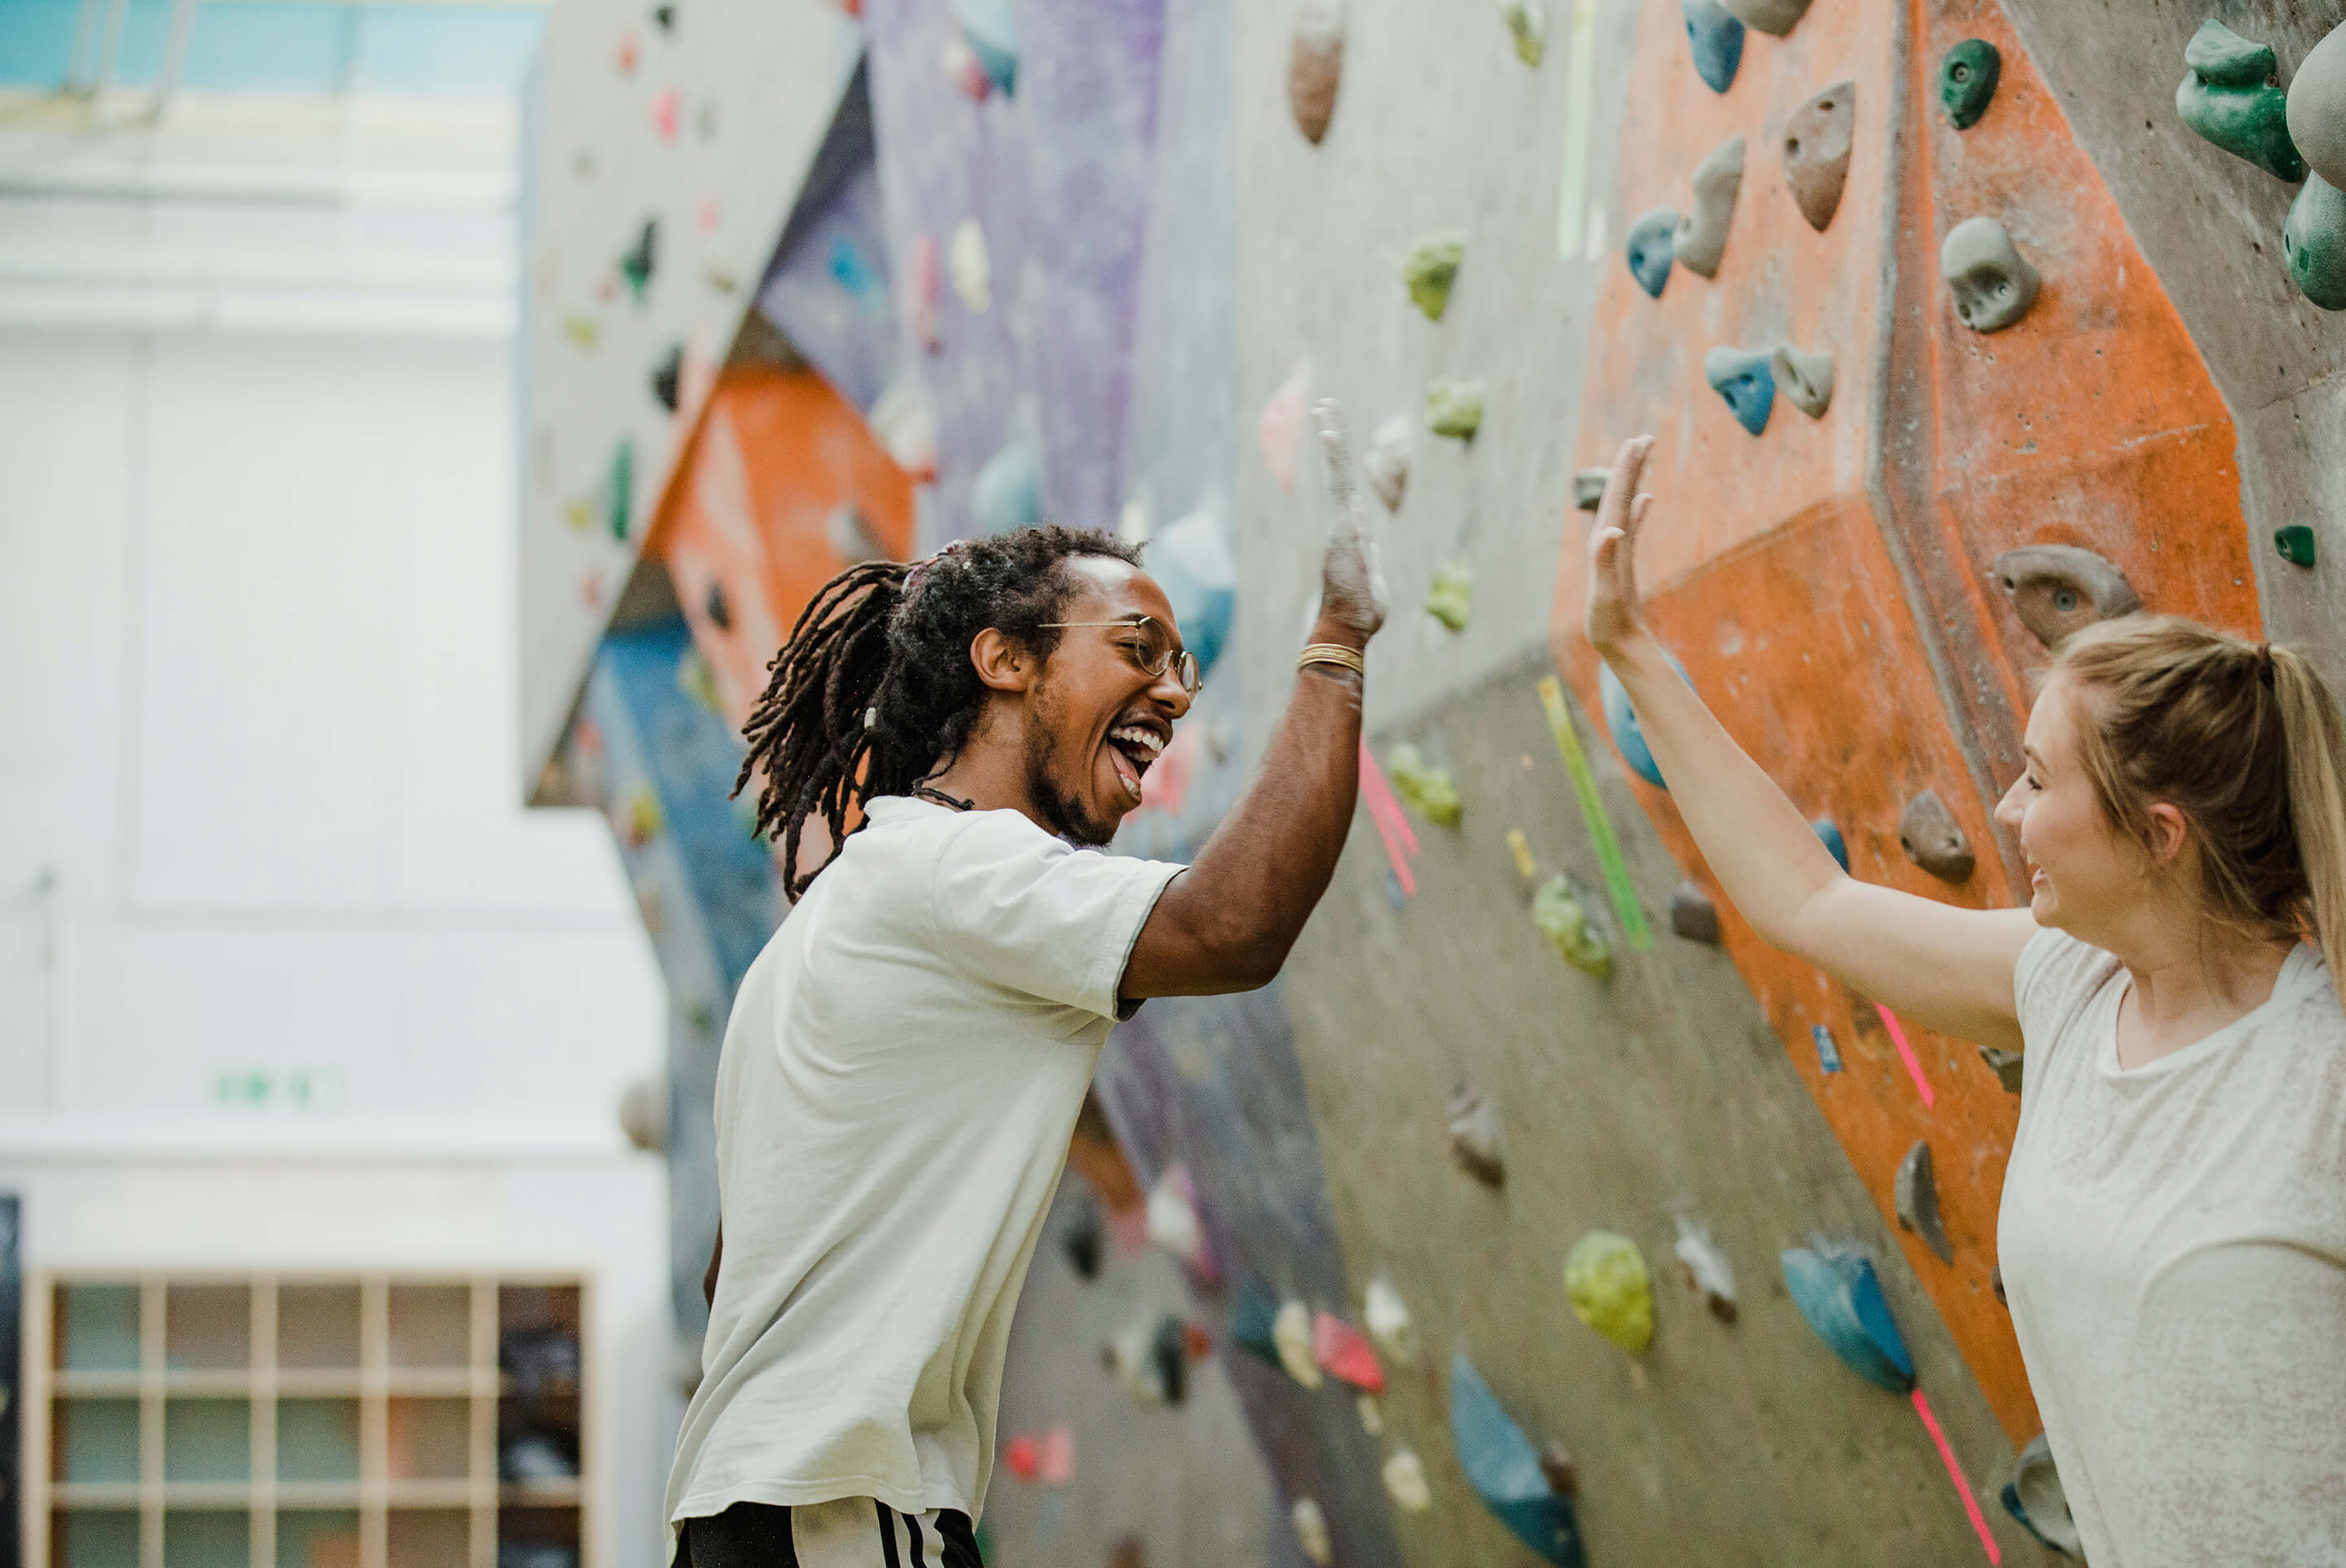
point(966, 71)
point(666, 110)
point(924, 287)
point(1282, 425)
point(1344, 1351)
point(1019, 1456)
point(711, 216)
point(1058, 1464)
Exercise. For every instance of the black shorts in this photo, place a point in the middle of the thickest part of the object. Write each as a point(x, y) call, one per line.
point(852, 1533)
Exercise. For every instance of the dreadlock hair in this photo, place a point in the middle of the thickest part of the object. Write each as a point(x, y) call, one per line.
point(874, 692)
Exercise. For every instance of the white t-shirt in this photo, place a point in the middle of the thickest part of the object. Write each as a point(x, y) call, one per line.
point(901, 1076)
point(2173, 1239)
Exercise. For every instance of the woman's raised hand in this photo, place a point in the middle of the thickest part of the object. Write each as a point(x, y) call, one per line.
point(1614, 613)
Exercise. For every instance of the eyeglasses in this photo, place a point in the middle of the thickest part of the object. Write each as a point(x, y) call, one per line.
point(1156, 657)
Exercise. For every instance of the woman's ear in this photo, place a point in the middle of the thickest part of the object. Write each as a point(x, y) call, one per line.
point(1002, 662)
point(2169, 831)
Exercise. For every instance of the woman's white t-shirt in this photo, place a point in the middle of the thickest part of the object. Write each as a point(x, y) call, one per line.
point(2173, 1240)
point(901, 1073)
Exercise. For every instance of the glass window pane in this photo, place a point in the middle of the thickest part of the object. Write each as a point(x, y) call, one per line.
point(317, 1439)
point(97, 1440)
point(97, 1327)
point(207, 1326)
point(209, 1538)
point(98, 1538)
point(207, 1440)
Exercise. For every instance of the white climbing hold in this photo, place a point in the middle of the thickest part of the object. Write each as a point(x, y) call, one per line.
point(1386, 461)
point(1707, 1268)
point(1310, 1527)
point(1405, 1482)
point(1291, 1332)
point(1389, 1322)
point(965, 260)
point(1372, 1416)
point(1171, 1217)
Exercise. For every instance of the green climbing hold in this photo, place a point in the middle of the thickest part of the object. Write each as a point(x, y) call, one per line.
point(619, 489)
point(635, 265)
point(1454, 407)
point(1967, 78)
point(2231, 98)
point(1527, 20)
point(1558, 910)
point(1430, 267)
point(1452, 595)
point(2295, 543)
point(2313, 242)
point(1605, 1276)
point(1429, 789)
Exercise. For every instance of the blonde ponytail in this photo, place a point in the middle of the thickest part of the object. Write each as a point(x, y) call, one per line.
point(2315, 744)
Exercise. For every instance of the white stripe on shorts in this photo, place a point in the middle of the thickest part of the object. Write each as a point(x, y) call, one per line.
point(857, 1533)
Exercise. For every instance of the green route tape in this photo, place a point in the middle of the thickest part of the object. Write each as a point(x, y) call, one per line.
point(1592, 811)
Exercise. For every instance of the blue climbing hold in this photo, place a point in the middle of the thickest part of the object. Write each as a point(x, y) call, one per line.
point(991, 26)
point(1504, 1468)
point(1621, 718)
point(1828, 1051)
point(1830, 836)
point(1191, 561)
point(1650, 240)
point(1747, 380)
point(1840, 1296)
point(1007, 495)
point(1717, 39)
point(1253, 1310)
point(854, 271)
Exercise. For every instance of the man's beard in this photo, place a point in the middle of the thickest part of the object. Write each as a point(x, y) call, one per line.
point(1067, 818)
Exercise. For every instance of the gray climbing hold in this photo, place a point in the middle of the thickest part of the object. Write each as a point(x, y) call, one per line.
point(2058, 588)
point(1777, 17)
point(1476, 1142)
point(1806, 379)
point(1588, 487)
point(1430, 267)
point(1701, 236)
point(1386, 461)
point(1933, 840)
point(2034, 1496)
point(1744, 378)
point(1692, 914)
point(1915, 1191)
point(2230, 97)
point(1716, 38)
point(2317, 107)
point(1967, 77)
point(1315, 65)
point(1649, 248)
point(1816, 151)
point(2313, 242)
point(1995, 1284)
point(1992, 283)
point(2005, 1065)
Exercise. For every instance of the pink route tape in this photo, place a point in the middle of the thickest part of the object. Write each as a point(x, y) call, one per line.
point(1955, 1474)
point(1393, 827)
point(1906, 1053)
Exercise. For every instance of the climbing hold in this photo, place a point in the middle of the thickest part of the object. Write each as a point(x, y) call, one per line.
point(1577, 937)
point(849, 534)
point(1967, 78)
point(1805, 379)
point(1454, 406)
point(1083, 1239)
point(1649, 248)
point(579, 512)
point(1148, 1355)
point(1476, 1142)
point(2295, 543)
point(1291, 1331)
point(1312, 1530)
point(1776, 17)
point(1995, 1284)
point(1914, 1192)
point(1816, 151)
point(1389, 1322)
point(907, 426)
point(1830, 836)
point(1927, 831)
point(629, 51)
point(2034, 1496)
point(1430, 267)
point(1344, 1351)
point(1521, 849)
point(1171, 1220)
point(1745, 377)
point(1692, 914)
point(1276, 428)
point(1837, 1293)
point(1992, 283)
point(991, 28)
point(2313, 243)
point(716, 608)
point(1828, 1052)
point(1021, 1457)
point(1372, 1420)
point(1621, 718)
point(1701, 236)
point(1007, 494)
point(2317, 107)
point(664, 18)
point(1588, 487)
point(1315, 65)
point(1557, 1464)
point(1505, 1471)
point(665, 375)
point(619, 489)
point(1191, 560)
point(1386, 461)
point(2005, 1065)
point(666, 108)
point(1706, 1268)
point(2058, 588)
point(1527, 20)
point(854, 271)
point(2230, 97)
point(1716, 37)
point(1404, 1475)
point(639, 261)
point(1254, 1317)
point(1057, 1462)
point(1450, 597)
point(965, 70)
point(1605, 1278)
point(966, 263)
point(583, 330)
point(1429, 789)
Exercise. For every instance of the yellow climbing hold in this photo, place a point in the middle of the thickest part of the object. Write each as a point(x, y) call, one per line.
point(1557, 910)
point(1451, 597)
point(1527, 20)
point(1605, 1278)
point(1429, 789)
point(1430, 267)
point(1521, 848)
point(584, 330)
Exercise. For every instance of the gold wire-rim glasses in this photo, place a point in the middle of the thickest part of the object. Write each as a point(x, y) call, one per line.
point(1180, 660)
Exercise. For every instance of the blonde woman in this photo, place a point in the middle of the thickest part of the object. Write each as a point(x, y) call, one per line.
point(2173, 1229)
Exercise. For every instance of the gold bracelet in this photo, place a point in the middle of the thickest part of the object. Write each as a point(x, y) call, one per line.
point(1333, 653)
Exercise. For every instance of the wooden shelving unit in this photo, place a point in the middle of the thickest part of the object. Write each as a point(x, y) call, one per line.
point(281, 1420)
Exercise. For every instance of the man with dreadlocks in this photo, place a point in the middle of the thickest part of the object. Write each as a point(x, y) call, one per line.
point(907, 1057)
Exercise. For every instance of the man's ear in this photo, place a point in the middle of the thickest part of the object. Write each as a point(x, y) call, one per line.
point(1003, 662)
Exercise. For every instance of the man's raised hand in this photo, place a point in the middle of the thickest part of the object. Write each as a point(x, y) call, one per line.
point(1352, 590)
